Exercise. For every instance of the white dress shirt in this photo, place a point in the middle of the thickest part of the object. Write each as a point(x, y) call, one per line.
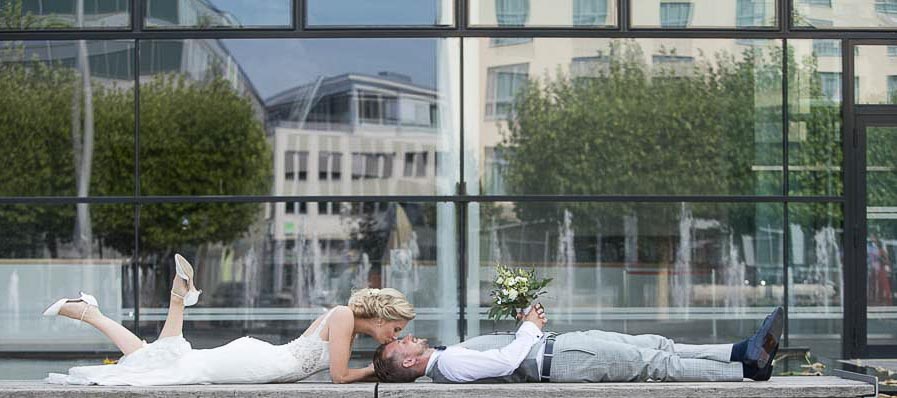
point(461, 364)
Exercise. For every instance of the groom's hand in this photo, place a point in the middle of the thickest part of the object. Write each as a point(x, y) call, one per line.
point(537, 316)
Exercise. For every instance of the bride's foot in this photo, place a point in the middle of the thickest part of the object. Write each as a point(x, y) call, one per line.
point(182, 287)
point(81, 309)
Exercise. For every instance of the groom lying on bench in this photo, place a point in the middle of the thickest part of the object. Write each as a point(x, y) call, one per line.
point(579, 357)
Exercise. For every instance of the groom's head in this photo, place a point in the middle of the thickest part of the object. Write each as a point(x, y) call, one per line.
point(402, 361)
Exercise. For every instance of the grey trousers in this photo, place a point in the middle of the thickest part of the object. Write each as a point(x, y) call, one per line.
point(597, 356)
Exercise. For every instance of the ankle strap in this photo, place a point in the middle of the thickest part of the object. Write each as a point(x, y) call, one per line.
point(84, 311)
point(177, 295)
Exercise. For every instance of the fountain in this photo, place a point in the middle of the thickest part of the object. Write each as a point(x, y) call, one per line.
point(682, 266)
point(566, 258)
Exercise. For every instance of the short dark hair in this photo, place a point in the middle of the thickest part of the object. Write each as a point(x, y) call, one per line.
point(389, 369)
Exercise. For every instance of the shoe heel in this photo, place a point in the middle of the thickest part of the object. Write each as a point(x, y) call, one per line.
point(182, 267)
point(54, 308)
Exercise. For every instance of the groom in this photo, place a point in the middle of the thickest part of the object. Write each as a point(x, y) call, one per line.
point(579, 357)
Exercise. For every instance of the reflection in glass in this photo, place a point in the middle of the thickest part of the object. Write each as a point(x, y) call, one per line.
point(701, 268)
point(64, 14)
point(881, 242)
point(332, 13)
point(270, 269)
point(210, 14)
point(71, 117)
point(814, 115)
point(844, 14)
point(604, 116)
point(816, 277)
point(298, 117)
point(43, 257)
point(876, 75)
point(726, 14)
point(543, 13)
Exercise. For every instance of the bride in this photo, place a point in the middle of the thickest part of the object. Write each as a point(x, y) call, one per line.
point(170, 360)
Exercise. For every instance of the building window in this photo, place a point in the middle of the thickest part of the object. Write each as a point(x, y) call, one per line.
point(416, 164)
point(892, 90)
point(887, 7)
point(372, 165)
point(329, 165)
point(512, 13)
point(291, 207)
point(892, 51)
point(827, 48)
point(818, 3)
point(503, 83)
point(323, 207)
point(589, 12)
point(675, 15)
point(291, 160)
point(750, 13)
point(830, 83)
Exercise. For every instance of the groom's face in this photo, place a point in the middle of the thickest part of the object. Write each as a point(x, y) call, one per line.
point(408, 347)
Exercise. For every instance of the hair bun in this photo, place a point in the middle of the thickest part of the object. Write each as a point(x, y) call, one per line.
point(387, 304)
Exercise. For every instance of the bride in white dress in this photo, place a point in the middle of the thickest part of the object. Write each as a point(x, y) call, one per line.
point(170, 360)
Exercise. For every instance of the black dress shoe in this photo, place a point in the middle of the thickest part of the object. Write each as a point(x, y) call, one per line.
point(765, 373)
point(765, 341)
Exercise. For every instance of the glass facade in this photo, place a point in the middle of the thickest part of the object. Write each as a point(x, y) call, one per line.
point(678, 167)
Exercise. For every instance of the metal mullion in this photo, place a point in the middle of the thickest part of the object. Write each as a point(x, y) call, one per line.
point(299, 15)
point(785, 11)
point(461, 17)
point(786, 191)
point(440, 32)
point(135, 262)
point(623, 22)
point(849, 333)
point(422, 198)
point(461, 207)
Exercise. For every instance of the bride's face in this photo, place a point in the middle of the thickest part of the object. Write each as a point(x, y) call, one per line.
point(388, 332)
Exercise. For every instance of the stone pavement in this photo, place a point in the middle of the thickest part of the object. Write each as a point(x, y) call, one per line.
point(794, 387)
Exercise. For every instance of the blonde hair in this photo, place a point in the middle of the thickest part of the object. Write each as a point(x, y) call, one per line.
point(387, 304)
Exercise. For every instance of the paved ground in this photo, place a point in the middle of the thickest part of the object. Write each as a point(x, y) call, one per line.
point(802, 387)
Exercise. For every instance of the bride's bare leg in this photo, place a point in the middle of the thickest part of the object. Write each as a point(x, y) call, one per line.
point(126, 341)
point(174, 323)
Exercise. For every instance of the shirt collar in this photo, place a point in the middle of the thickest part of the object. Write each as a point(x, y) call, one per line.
point(432, 361)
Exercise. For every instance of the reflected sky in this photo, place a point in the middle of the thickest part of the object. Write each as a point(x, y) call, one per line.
point(272, 63)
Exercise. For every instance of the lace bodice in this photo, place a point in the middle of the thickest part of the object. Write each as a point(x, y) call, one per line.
point(311, 352)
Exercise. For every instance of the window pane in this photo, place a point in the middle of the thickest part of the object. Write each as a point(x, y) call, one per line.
point(876, 71)
point(815, 154)
point(272, 285)
point(615, 116)
point(51, 251)
point(332, 13)
point(844, 14)
point(211, 14)
point(721, 14)
point(543, 13)
point(71, 118)
point(227, 111)
point(64, 14)
point(816, 277)
point(707, 272)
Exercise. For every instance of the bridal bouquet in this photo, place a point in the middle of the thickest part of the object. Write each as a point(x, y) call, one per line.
point(514, 290)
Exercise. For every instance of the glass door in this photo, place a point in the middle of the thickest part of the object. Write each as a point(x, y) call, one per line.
point(878, 195)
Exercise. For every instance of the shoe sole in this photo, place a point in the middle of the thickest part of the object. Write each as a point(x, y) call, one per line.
point(761, 351)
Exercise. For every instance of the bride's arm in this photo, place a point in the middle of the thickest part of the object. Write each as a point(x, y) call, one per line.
point(342, 324)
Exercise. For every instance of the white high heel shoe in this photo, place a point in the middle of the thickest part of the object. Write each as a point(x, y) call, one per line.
point(185, 271)
point(53, 309)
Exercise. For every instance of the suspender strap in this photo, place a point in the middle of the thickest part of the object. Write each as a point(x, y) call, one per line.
point(546, 358)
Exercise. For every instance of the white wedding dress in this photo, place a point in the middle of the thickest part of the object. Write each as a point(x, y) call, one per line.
point(172, 361)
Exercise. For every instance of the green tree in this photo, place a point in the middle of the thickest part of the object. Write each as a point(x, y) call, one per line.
point(197, 138)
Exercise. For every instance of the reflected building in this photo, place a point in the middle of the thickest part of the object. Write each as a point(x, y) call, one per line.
point(350, 134)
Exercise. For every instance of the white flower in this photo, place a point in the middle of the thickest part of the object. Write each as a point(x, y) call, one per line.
point(512, 295)
point(504, 292)
point(499, 281)
point(509, 282)
point(520, 279)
